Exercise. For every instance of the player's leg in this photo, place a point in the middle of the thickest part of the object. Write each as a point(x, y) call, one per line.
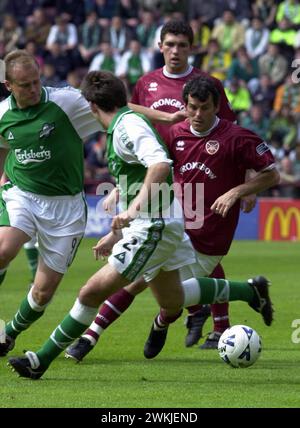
point(168, 292)
point(101, 285)
point(32, 255)
point(113, 307)
point(211, 290)
point(59, 237)
point(34, 304)
point(11, 241)
point(220, 315)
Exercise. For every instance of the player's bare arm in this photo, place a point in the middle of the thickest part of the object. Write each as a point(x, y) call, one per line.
point(260, 182)
point(158, 116)
point(3, 154)
point(157, 173)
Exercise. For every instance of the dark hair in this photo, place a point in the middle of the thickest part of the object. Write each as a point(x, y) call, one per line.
point(201, 87)
point(104, 89)
point(177, 27)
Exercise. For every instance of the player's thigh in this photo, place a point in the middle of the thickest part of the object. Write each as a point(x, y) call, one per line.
point(101, 285)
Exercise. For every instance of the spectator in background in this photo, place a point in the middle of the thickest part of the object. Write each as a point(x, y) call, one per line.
point(256, 38)
point(238, 96)
point(284, 35)
point(289, 9)
point(240, 8)
point(37, 30)
point(104, 9)
point(283, 128)
point(257, 122)
point(265, 10)
point(288, 179)
point(106, 59)
point(90, 34)
point(32, 48)
point(244, 69)
point(274, 64)
point(117, 35)
point(169, 7)
point(216, 62)
point(128, 10)
point(72, 10)
point(200, 43)
point(62, 33)
point(208, 10)
point(61, 60)
point(264, 94)
point(134, 64)
point(49, 77)
point(288, 94)
point(229, 33)
point(11, 35)
point(22, 10)
point(145, 32)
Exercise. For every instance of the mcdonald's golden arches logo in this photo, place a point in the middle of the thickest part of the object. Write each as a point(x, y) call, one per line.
point(282, 223)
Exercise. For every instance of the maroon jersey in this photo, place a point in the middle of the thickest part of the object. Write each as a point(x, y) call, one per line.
point(219, 160)
point(157, 90)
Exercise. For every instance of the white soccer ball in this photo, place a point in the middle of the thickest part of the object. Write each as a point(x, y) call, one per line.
point(239, 346)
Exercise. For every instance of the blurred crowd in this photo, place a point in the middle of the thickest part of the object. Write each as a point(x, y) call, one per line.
point(253, 47)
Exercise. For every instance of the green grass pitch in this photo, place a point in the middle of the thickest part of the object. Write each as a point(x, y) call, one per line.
point(116, 374)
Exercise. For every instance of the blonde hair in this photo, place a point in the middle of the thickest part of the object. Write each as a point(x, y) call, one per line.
point(18, 57)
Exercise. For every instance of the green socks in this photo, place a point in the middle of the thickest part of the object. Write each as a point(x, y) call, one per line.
point(221, 290)
point(32, 255)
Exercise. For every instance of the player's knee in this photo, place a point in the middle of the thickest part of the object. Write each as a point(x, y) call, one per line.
point(136, 287)
point(41, 296)
point(89, 294)
point(7, 253)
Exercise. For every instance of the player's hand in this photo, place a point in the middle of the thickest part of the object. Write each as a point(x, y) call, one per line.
point(224, 202)
point(110, 202)
point(121, 220)
point(248, 203)
point(104, 245)
point(178, 116)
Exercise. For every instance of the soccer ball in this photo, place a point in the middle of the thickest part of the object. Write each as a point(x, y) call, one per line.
point(239, 346)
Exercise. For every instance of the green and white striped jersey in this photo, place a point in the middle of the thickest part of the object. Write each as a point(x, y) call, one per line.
point(45, 141)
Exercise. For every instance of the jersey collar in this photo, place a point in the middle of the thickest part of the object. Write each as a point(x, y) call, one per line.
point(116, 119)
point(177, 76)
point(13, 104)
point(206, 133)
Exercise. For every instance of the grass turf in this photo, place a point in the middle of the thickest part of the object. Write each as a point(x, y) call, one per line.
point(116, 375)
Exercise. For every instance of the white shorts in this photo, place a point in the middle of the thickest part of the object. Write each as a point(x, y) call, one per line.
point(204, 266)
point(58, 221)
point(151, 245)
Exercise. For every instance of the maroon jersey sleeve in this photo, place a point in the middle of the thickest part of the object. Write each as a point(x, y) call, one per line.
point(251, 152)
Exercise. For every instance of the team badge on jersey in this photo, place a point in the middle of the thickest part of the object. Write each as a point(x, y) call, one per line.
point(153, 86)
point(262, 148)
point(212, 146)
point(121, 257)
point(180, 145)
point(10, 136)
point(46, 130)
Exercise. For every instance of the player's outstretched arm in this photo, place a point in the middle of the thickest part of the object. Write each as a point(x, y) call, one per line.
point(158, 116)
point(262, 181)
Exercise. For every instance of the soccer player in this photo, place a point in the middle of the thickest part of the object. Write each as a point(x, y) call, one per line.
point(213, 151)
point(153, 243)
point(161, 90)
point(43, 129)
